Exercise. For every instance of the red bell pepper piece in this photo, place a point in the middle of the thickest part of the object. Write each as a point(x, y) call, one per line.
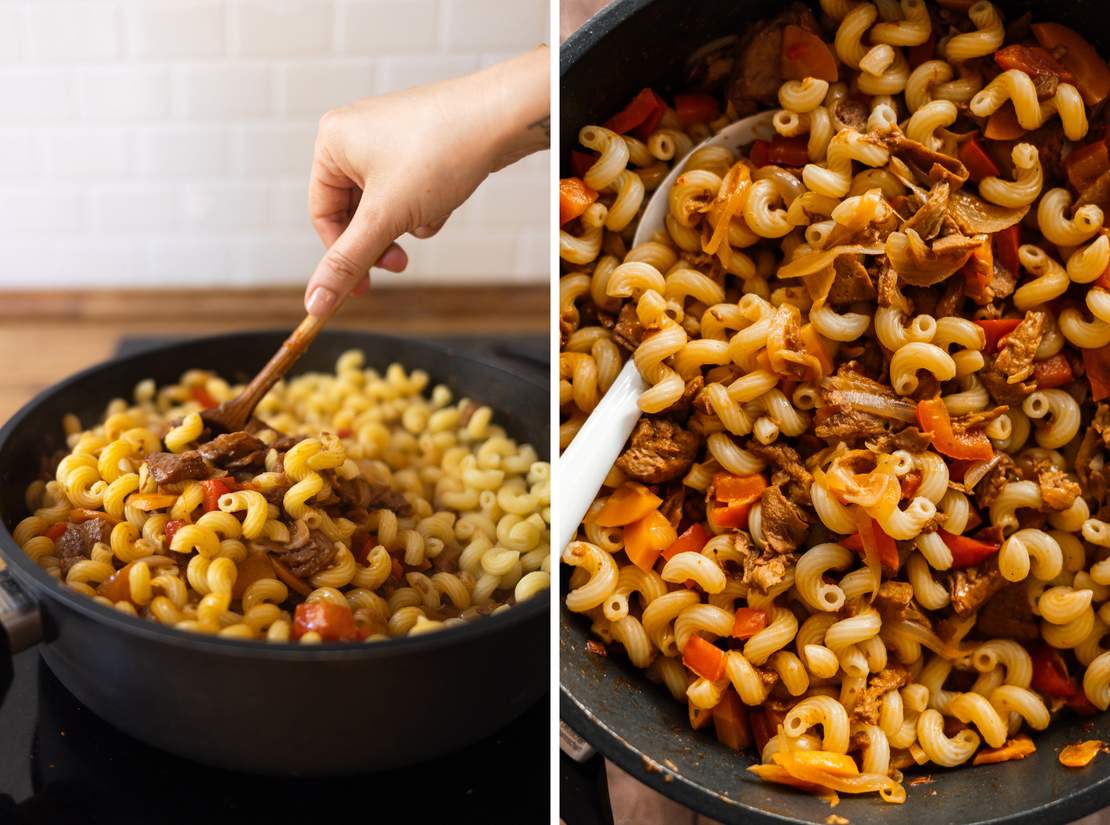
point(693, 109)
point(923, 52)
point(780, 151)
point(642, 114)
point(214, 488)
point(1096, 362)
point(1006, 245)
point(967, 552)
point(996, 329)
point(933, 417)
point(363, 546)
point(749, 621)
point(1081, 704)
point(56, 530)
point(692, 540)
point(978, 162)
point(1086, 163)
point(580, 163)
point(871, 539)
point(1035, 61)
point(171, 528)
point(704, 658)
point(1053, 372)
point(334, 623)
point(202, 397)
point(1050, 673)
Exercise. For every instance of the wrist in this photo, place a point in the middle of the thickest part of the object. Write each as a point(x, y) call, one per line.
point(516, 107)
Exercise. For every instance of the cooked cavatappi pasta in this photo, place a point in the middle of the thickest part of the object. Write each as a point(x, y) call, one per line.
point(362, 510)
point(864, 522)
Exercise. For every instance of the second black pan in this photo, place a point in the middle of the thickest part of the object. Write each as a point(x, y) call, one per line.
point(274, 709)
point(638, 43)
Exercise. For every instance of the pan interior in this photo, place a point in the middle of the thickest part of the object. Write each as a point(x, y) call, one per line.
point(637, 43)
point(35, 433)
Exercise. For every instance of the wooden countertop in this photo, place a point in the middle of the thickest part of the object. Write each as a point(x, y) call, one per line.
point(45, 336)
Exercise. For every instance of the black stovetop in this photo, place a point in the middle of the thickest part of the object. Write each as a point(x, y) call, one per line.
point(61, 765)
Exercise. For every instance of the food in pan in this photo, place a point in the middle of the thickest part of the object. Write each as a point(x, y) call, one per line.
point(863, 523)
point(359, 510)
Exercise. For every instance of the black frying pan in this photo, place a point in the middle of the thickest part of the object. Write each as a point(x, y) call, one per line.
point(256, 707)
point(637, 43)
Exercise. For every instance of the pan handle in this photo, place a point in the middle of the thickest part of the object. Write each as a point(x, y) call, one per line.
point(20, 621)
point(20, 625)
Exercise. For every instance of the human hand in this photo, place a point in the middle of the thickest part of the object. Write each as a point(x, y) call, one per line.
point(403, 162)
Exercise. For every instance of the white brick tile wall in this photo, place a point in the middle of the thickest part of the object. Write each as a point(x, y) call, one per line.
point(168, 142)
point(389, 27)
point(177, 29)
point(127, 208)
point(96, 152)
point(11, 26)
point(494, 24)
point(224, 207)
point(36, 95)
point(19, 154)
point(405, 72)
point(185, 151)
point(223, 92)
point(310, 89)
point(279, 150)
point(73, 31)
point(284, 28)
point(122, 93)
point(31, 209)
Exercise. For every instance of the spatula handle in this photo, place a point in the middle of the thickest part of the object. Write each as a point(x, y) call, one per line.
point(588, 459)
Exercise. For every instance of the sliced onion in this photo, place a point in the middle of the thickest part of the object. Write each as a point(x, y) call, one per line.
point(810, 262)
point(978, 471)
point(975, 216)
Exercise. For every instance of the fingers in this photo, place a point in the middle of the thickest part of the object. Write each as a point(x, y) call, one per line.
point(348, 260)
point(394, 259)
point(428, 230)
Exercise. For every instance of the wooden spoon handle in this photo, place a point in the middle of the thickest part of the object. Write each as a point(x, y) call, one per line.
point(291, 349)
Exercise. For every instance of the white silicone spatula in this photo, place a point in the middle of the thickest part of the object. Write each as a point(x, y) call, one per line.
point(588, 459)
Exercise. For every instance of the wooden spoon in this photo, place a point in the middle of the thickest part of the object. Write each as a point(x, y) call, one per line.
point(232, 416)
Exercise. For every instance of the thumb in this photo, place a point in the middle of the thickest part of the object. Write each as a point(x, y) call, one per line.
point(347, 262)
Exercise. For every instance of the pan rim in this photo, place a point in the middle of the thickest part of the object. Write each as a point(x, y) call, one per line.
point(607, 741)
point(44, 586)
point(665, 781)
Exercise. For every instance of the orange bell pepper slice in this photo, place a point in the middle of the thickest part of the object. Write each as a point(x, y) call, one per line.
point(966, 551)
point(835, 764)
point(804, 54)
point(574, 199)
point(704, 658)
point(628, 503)
point(645, 539)
point(1081, 754)
point(1092, 77)
point(730, 722)
point(1018, 748)
point(749, 621)
point(1003, 124)
point(933, 417)
point(117, 587)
